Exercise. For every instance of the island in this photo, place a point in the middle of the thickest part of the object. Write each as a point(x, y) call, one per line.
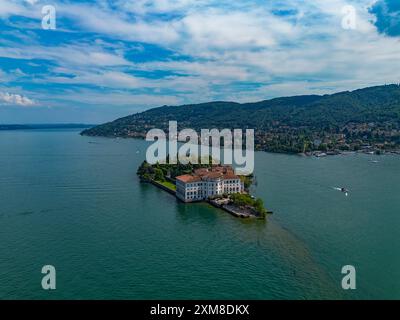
point(365, 120)
point(215, 184)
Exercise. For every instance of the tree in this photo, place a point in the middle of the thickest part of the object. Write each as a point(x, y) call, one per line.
point(158, 175)
point(259, 206)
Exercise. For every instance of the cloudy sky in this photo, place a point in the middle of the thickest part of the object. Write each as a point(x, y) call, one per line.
point(107, 59)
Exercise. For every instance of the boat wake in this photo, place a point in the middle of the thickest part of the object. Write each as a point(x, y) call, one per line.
point(344, 190)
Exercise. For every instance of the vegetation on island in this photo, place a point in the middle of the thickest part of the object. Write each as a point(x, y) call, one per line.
point(168, 172)
point(365, 119)
point(163, 172)
point(245, 200)
point(156, 173)
point(247, 181)
point(167, 184)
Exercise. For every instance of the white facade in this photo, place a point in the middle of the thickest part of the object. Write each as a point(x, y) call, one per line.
point(192, 190)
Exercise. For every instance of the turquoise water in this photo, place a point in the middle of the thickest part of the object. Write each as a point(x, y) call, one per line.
point(75, 202)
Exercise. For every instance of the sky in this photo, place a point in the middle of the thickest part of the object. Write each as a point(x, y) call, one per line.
point(107, 59)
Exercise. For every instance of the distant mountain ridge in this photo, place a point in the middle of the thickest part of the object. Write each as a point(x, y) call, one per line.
point(341, 121)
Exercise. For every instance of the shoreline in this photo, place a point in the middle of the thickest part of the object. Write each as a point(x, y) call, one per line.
point(313, 153)
point(374, 152)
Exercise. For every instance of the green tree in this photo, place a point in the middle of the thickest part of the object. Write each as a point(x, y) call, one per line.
point(159, 175)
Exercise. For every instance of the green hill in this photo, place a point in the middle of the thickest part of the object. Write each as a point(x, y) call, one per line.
point(341, 121)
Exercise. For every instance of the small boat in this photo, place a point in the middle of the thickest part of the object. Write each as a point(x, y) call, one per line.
point(321, 155)
point(344, 190)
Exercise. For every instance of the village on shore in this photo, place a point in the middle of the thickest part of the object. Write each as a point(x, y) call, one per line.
point(365, 149)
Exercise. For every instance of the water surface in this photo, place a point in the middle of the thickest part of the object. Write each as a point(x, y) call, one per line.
point(75, 202)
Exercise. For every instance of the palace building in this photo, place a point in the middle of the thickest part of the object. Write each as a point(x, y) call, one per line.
point(206, 183)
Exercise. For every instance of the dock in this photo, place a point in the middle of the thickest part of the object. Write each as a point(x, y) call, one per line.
point(235, 211)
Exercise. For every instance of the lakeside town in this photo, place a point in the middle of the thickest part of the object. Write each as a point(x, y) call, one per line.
point(216, 184)
point(369, 138)
point(359, 121)
point(364, 149)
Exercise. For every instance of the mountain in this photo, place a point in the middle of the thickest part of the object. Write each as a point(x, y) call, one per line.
point(363, 118)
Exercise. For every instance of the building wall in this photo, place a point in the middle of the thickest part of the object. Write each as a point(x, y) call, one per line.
point(197, 191)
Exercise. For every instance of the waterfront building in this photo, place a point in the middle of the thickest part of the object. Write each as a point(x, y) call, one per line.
point(208, 183)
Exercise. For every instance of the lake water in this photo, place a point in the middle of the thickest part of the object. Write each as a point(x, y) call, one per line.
point(75, 202)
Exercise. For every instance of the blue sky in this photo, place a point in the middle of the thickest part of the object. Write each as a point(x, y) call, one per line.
point(108, 59)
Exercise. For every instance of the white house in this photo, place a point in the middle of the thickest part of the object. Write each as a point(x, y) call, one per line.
point(205, 183)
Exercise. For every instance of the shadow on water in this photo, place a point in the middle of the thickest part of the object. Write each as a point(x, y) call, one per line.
point(26, 213)
point(304, 267)
point(270, 239)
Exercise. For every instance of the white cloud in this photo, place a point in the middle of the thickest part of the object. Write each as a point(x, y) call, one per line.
point(219, 30)
point(223, 42)
point(3, 76)
point(8, 8)
point(119, 24)
point(15, 99)
point(124, 81)
point(74, 54)
point(144, 7)
point(139, 101)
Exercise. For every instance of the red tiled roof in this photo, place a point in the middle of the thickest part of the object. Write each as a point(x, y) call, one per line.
point(187, 178)
point(201, 171)
point(213, 174)
point(230, 176)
